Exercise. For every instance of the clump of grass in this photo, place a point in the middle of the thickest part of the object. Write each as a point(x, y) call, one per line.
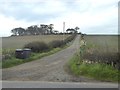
point(103, 72)
point(96, 70)
point(7, 54)
point(73, 64)
point(11, 62)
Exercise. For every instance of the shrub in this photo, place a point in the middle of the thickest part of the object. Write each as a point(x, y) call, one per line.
point(59, 43)
point(56, 43)
point(37, 46)
point(69, 39)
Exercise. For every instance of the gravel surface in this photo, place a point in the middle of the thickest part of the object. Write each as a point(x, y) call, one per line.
point(50, 68)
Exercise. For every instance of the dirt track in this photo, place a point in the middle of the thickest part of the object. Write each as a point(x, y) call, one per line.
point(50, 68)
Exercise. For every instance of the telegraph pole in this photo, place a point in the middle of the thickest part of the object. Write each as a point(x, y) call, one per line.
point(63, 29)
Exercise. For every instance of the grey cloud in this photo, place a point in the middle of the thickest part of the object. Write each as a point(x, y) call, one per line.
point(20, 10)
point(25, 11)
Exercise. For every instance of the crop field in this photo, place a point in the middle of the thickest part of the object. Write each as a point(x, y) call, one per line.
point(102, 43)
point(102, 49)
point(20, 41)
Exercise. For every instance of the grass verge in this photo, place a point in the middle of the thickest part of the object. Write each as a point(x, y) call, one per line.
point(34, 56)
point(97, 71)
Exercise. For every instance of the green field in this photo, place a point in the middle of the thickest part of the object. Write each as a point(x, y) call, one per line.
point(20, 41)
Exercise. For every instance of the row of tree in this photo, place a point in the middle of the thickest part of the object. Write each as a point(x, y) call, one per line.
point(42, 29)
point(72, 30)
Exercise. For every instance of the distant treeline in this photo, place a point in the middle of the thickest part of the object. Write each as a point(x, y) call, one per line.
point(41, 29)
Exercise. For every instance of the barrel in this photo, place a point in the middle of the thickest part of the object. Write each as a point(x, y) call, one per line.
point(22, 53)
point(19, 53)
point(26, 53)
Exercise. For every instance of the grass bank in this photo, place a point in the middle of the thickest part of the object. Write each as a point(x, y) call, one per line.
point(97, 71)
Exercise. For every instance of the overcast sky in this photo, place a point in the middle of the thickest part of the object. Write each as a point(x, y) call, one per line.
point(92, 16)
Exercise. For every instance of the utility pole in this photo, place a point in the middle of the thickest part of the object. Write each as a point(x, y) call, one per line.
point(63, 29)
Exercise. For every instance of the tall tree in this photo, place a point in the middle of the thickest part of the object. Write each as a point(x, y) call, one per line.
point(77, 28)
point(70, 30)
point(44, 28)
point(51, 28)
point(21, 31)
point(18, 31)
point(36, 30)
point(14, 31)
point(31, 30)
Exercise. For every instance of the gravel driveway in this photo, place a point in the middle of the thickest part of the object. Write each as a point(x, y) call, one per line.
point(50, 68)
